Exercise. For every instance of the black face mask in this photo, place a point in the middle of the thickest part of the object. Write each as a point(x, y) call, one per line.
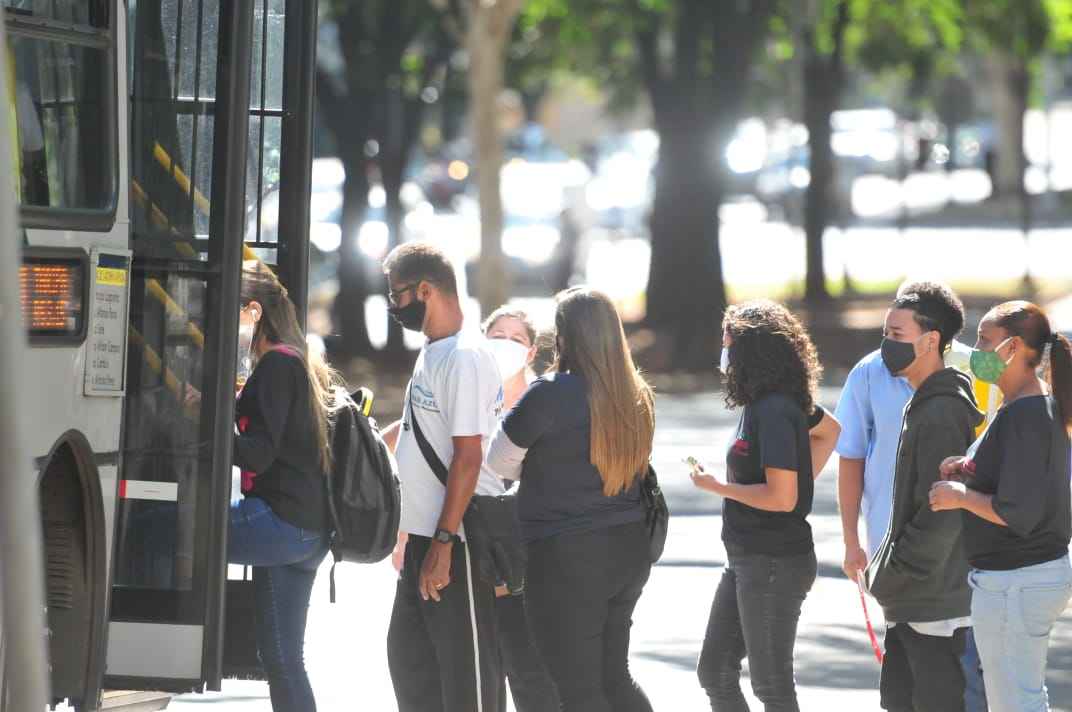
point(410, 316)
point(898, 355)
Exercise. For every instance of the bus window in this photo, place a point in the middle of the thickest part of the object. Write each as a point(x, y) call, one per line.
point(59, 108)
point(173, 92)
point(265, 130)
point(163, 458)
point(78, 12)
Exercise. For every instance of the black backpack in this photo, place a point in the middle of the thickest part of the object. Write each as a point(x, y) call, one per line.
point(364, 496)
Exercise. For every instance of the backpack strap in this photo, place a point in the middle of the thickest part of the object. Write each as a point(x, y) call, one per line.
point(430, 456)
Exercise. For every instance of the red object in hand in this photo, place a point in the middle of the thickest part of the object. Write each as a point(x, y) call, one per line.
point(879, 655)
point(247, 475)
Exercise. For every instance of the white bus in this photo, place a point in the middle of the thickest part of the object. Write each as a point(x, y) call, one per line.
point(145, 135)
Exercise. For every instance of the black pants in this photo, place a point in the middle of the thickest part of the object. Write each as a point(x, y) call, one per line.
point(922, 673)
point(444, 657)
point(755, 613)
point(579, 598)
point(530, 683)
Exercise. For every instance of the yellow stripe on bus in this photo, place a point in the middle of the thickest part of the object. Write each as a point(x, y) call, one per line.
point(181, 178)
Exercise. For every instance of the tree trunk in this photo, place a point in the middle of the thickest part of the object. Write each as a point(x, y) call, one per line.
point(489, 27)
point(338, 110)
point(823, 78)
point(1010, 83)
point(686, 292)
point(394, 155)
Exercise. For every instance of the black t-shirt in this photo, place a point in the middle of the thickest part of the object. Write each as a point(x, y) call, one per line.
point(1023, 462)
point(773, 432)
point(277, 440)
point(561, 490)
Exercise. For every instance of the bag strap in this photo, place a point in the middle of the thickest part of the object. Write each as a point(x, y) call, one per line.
point(430, 456)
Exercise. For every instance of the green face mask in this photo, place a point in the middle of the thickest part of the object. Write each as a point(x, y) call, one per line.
point(987, 366)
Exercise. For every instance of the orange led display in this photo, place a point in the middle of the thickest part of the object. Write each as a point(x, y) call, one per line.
point(51, 296)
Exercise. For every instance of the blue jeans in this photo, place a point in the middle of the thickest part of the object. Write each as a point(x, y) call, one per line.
point(755, 613)
point(284, 560)
point(1013, 613)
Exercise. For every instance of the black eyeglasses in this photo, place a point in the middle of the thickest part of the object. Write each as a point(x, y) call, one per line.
point(395, 295)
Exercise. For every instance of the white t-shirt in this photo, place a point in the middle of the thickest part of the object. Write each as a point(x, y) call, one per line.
point(456, 392)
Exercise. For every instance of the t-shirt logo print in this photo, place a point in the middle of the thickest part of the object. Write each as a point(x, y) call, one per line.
point(741, 446)
point(424, 399)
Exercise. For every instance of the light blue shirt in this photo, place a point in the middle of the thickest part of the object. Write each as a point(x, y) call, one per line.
point(870, 410)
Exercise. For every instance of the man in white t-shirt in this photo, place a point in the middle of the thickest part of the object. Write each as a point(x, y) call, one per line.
point(441, 644)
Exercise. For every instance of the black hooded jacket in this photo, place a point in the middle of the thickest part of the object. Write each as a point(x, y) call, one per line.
point(920, 573)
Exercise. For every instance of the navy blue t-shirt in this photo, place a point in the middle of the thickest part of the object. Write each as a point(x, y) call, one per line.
point(773, 432)
point(561, 490)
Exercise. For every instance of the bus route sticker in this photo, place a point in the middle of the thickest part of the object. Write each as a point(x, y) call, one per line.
point(109, 301)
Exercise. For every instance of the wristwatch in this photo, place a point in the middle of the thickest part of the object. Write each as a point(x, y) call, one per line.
point(443, 536)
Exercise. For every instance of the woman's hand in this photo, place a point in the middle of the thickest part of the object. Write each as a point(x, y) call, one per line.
point(704, 481)
point(947, 495)
point(956, 468)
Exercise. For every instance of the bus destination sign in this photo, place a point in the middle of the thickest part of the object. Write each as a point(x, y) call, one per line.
point(106, 344)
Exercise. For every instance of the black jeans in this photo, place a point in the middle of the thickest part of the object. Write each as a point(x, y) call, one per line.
point(755, 613)
point(580, 594)
point(923, 673)
point(443, 657)
point(530, 683)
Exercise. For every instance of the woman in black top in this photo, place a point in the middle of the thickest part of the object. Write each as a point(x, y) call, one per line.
point(1014, 489)
point(580, 440)
point(772, 371)
point(281, 446)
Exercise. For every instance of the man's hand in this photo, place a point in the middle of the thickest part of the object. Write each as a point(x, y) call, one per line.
point(435, 571)
point(947, 495)
point(855, 561)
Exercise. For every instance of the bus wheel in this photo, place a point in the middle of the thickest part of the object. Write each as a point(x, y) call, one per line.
point(75, 615)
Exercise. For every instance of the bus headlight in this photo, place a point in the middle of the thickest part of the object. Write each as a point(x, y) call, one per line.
point(52, 292)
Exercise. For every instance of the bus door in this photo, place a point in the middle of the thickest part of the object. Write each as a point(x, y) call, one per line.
point(217, 176)
point(189, 82)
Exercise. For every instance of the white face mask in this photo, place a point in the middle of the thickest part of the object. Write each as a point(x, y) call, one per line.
point(511, 356)
point(724, 361)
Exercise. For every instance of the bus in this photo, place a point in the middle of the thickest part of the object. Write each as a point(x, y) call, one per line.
point(21, 566)
point(145, 135)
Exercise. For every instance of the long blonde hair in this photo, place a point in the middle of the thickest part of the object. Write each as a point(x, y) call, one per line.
point(279, 326)
point(591, 342)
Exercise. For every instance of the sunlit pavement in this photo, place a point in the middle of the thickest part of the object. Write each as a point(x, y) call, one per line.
point(836, 670)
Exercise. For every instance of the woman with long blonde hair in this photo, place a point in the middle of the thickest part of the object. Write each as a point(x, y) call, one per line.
point(283, 450)
point(579, 440)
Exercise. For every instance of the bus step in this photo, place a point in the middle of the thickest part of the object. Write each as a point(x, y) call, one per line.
point(129, 701)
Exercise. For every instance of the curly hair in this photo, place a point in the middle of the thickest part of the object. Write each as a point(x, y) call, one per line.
point(771, 353)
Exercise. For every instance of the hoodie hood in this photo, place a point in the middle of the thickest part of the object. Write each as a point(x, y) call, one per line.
point(948, 382)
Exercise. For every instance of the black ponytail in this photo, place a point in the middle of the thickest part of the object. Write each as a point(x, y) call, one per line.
point(1030, 323)
point(1061, 376)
